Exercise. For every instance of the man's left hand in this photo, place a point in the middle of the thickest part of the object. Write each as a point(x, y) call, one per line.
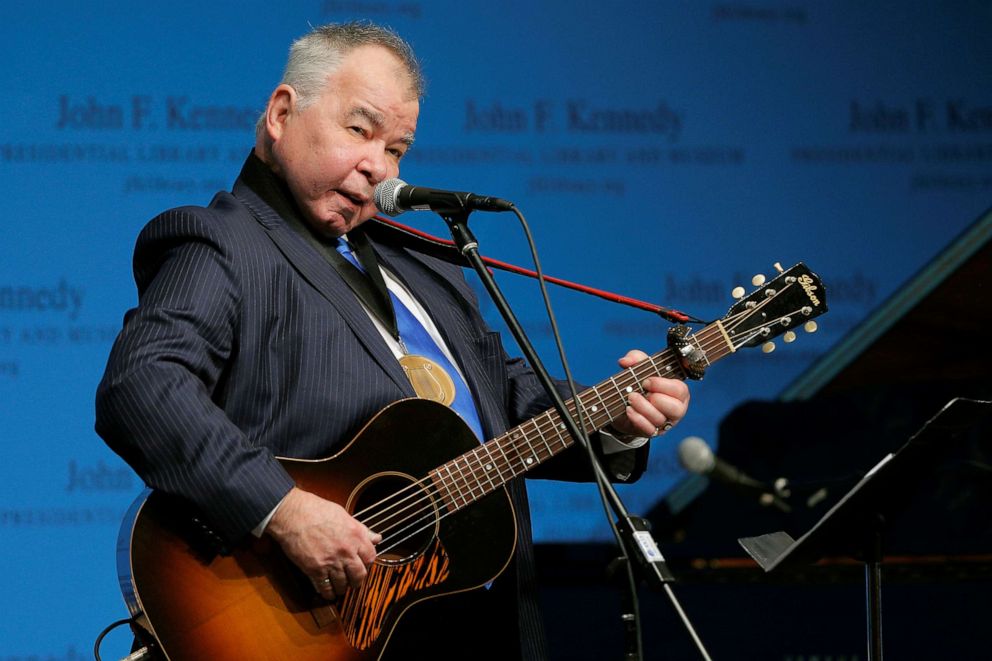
point(662, 405)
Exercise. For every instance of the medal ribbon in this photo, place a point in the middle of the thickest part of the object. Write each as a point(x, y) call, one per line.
point(431, 372)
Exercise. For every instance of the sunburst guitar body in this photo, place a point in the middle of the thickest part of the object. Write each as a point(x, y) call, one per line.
point(203, 601)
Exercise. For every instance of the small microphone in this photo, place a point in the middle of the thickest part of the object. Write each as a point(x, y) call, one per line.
point(394, 196)
point(697, 457)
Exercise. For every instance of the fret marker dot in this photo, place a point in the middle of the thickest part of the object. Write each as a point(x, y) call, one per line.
point(629, 389)
point(530, 460)
point(594, 408)
point(489, 467)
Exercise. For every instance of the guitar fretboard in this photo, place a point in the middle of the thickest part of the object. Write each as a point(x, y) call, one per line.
point(465, 479)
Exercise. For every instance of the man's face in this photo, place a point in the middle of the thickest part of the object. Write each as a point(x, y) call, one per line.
point(334, 152)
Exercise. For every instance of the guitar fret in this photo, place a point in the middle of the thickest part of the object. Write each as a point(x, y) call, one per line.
point(501, 463)
point(602, 404)
point(471, 475)
point(668, 363)
point(713, 338)
point(552, 431)
point(515, 447)
point(654, 367)
point(472, 479)
point(724, 348)
point(487, 467)
point(635, 379)
point(454, 482)
point(531, 457)
point(621, 393)
point(543, 440)
point(464, 484)
point(437, 480)
point(592, 413)
point(575, 406)
point(506, 461)
point(617, 388)
point(562, 431)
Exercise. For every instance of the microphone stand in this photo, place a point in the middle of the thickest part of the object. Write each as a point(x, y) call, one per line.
point(633, 531)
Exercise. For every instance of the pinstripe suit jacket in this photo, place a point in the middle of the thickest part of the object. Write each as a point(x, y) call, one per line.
point(247, 345)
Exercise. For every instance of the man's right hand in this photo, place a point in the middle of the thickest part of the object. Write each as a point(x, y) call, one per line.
point(331, 547)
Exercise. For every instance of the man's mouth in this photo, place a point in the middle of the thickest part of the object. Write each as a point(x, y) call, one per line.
point(357, 199)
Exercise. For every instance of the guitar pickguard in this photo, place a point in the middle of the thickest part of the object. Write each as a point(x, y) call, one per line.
point(364, 611)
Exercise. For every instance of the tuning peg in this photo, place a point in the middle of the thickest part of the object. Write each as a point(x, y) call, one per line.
point(810, 327)
point(737, 292)
point(788, 337)
point(778, 267)
point(758, 280)
point(768, 347)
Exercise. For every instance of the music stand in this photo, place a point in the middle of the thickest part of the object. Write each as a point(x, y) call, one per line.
point(854, 526)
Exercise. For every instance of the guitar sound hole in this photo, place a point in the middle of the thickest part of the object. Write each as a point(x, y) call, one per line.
point(399, 509)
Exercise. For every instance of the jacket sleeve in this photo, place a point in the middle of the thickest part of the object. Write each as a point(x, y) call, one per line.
point(156, 405)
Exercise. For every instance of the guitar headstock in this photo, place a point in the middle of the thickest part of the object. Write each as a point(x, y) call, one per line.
point(791, 299)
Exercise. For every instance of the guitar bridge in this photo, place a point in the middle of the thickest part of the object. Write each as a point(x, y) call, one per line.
point(324, 615)
point(205, 541)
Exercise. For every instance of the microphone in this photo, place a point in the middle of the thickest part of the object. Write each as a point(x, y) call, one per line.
point(394, 196)
point(697, 457)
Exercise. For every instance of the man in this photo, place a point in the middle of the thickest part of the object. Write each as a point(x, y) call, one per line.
point(254, 338)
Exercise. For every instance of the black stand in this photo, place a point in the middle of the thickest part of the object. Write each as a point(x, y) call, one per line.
point(855, 525)
point(634, 537)
point(633, 529)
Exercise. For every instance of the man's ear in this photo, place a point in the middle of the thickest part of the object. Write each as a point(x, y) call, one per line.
point(281, 105)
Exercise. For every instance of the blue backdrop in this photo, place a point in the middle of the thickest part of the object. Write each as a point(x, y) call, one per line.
point(665, 150)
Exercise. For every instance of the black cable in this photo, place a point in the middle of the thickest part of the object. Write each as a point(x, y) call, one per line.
point(604, 500)
point(99, 639)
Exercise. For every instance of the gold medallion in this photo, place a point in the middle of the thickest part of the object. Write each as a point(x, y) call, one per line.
point(429, 379)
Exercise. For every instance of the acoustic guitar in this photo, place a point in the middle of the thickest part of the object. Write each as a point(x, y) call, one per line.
point(446, 521)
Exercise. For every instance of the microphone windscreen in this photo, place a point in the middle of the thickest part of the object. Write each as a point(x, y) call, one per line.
point(696, 456)
point(385, 196)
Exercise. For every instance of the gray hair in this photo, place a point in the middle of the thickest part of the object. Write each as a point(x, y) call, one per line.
point(316, 55)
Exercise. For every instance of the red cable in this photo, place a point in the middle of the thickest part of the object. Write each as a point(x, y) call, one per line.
point(670, 315)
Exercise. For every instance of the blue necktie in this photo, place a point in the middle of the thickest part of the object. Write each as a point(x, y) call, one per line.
point(417, 341)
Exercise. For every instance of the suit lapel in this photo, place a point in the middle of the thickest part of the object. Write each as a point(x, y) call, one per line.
point(315, 270)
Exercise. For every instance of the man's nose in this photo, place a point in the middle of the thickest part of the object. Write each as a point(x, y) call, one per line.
point(374, 165)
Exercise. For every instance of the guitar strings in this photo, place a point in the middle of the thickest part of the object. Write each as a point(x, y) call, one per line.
point(410, 530)
point(498, 445)
point(460, 479)
point(707, 339)
point(707, 344)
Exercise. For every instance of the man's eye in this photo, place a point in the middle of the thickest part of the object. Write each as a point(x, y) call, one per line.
point(357, 129)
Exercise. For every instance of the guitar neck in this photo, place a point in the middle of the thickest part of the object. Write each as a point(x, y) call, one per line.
point(465, 479)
